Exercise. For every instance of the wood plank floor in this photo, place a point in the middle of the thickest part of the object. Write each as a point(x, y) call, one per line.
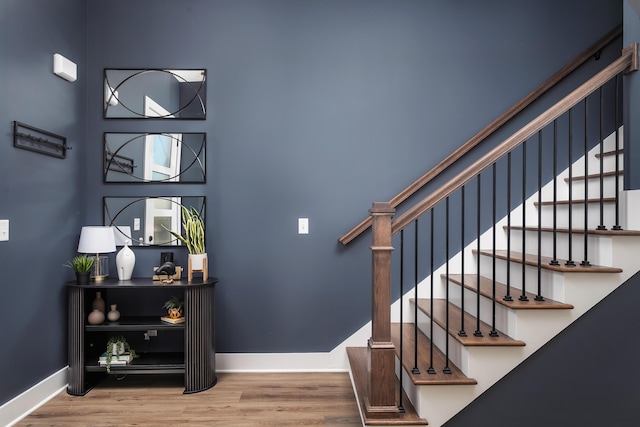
point(238, 399)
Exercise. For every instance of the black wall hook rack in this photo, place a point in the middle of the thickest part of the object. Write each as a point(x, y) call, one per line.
point(40, 141)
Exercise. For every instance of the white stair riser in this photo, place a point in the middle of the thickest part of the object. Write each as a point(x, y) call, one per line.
point(456, 350)
point(550, 281)
point(577, 216)
point(593, 189)
point(595, 254)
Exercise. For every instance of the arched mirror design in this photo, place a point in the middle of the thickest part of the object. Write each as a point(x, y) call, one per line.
point(154, 94)
point(148, 218)
point(154, 157)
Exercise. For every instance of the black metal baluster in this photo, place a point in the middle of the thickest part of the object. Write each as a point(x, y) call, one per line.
point(477, 332)
point(462, 332)
point(570, 262)
point(554, 261)
point(447, 369)
point(508, 297)
point(539, 266)
point(617, 154)
point(601, 142)
point(431, 369)
point(493, 332)
point(585, 262)
point(400, 407)
point(523, 294)
point(415, 369)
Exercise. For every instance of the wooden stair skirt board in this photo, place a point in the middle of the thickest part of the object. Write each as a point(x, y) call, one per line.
point(358, 362)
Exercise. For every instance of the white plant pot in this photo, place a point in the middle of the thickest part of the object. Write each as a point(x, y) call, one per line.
point(197, 261)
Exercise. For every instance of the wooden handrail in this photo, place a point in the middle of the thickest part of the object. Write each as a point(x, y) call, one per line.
point(488, 130)
point(627, 62)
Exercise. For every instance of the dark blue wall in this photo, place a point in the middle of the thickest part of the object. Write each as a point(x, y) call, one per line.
point(42, 196)
point(311, 105)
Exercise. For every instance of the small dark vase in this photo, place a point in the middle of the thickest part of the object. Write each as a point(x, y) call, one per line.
point(82, 277)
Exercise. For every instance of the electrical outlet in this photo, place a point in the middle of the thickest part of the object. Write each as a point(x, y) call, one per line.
point(136, 224)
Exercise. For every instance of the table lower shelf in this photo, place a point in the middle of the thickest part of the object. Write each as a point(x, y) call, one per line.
point(147, 363)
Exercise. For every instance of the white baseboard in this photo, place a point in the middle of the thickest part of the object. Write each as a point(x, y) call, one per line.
point(31, 399)
point(276, 362)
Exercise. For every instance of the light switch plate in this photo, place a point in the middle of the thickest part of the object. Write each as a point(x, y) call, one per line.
point(303, 225)
point(4, 230)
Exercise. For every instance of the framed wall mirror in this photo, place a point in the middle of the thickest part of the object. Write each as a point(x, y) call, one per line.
point(154, 157)
point(150, 217)
point(154, 93)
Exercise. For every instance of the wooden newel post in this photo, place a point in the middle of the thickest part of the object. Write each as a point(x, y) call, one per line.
point(381, 352)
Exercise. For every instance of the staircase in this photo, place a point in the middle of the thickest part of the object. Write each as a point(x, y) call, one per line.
point(507, 292)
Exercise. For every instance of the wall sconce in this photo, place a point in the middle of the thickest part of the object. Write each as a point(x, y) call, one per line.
point(64, 68)
point(97, 240)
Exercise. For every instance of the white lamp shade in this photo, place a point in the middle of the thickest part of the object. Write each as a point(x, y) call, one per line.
point(96, 240)
point(122, 234)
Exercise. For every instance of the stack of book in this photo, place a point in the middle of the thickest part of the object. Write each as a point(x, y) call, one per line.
point(173, 320)
point(121, 359)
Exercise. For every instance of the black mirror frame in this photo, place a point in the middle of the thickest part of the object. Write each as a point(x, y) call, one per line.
point(199, 97)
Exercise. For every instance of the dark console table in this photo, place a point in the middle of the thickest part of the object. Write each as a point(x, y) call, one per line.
point(194, 357)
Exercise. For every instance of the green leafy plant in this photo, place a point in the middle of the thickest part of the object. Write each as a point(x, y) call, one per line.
point(81, 263)
point(193, 226)
point(174, 302)
point(117, 340)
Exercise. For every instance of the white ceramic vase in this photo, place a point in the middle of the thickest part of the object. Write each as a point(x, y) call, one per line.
point(114, 314)
point(197, 261)
point(125, 261)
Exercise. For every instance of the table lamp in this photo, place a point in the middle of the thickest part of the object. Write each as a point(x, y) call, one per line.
point(97, 240)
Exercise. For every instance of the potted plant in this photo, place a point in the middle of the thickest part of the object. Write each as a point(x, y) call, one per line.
point(116, 346)
point(82, 265)
point(174, 307)
point(193, 238)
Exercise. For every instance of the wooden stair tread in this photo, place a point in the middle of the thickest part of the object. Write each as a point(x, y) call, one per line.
point(594, 176)
point(532, 260)
point(358, 362)
point(470, 324)
point(456, 377)
point(579, 231)
point(486, 290)
point(576, 201)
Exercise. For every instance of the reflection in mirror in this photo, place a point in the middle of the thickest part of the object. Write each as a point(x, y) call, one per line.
point(154, 93)
point(147, 217)
point(154, 157)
